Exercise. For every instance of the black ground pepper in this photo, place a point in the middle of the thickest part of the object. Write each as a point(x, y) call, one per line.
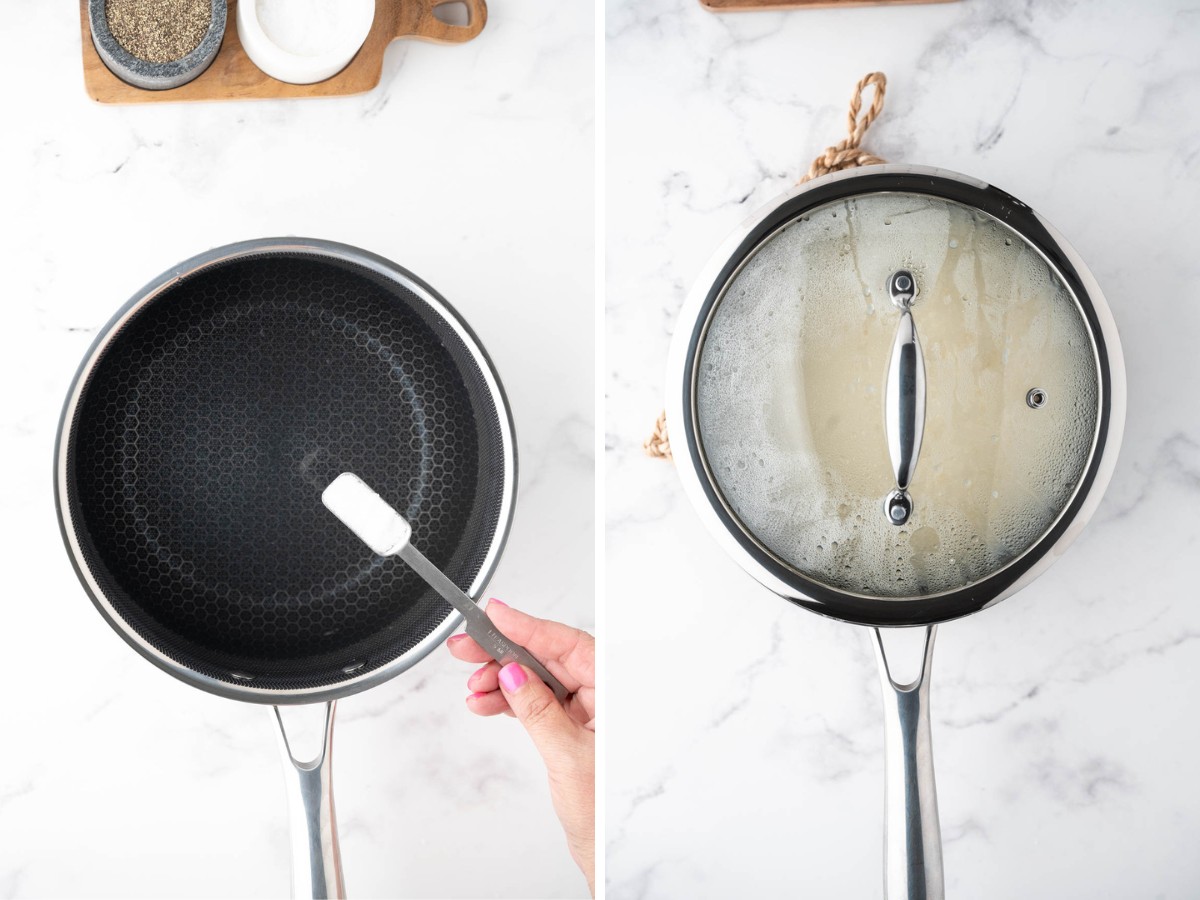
point(159, 31)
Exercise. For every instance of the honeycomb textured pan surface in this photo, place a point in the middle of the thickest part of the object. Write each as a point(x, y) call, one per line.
point(210, 426)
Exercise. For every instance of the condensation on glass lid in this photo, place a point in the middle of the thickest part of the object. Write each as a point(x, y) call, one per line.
point(790, 395)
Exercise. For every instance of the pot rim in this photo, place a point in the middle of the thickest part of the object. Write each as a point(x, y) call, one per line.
point(738, 541)
point(243, 249)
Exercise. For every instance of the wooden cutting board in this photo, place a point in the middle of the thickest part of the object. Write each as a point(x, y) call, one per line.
point(232, 76)
point(746, 5)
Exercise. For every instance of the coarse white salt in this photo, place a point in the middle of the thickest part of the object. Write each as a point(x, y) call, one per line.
point(314, 27)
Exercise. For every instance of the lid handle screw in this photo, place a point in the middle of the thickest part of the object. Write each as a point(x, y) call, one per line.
point(902, 288)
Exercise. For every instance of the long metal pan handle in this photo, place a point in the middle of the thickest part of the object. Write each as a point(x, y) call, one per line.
point(912, 837)
point(316, 859)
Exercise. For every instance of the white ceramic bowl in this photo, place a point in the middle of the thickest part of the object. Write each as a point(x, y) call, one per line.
point(295, 68)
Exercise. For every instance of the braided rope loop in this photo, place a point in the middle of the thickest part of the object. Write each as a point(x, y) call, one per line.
point(849, 153)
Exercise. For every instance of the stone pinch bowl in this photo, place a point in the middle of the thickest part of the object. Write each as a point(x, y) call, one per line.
point(149, 75)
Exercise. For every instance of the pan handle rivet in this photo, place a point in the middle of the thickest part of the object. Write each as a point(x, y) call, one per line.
point(1036, 398)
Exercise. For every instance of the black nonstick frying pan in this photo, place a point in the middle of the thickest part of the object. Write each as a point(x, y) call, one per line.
point(195, 442)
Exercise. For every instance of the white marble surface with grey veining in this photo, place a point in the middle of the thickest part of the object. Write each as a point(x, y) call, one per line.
point(745, 742)
point(463, 166)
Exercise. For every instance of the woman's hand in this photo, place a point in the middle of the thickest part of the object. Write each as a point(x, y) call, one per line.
point(564, 734)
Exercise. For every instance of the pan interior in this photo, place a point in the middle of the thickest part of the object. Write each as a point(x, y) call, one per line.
point(206, 432)
point(789, 395)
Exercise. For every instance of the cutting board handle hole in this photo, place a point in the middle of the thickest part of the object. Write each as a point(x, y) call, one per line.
point(453, 12)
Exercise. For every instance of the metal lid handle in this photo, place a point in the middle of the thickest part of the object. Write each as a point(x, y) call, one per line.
point(904, 398)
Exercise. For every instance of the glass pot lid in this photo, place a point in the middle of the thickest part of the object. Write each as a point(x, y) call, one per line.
point(896, 395)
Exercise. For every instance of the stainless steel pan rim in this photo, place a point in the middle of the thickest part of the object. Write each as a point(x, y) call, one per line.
point(316, 248)
point(735, 538)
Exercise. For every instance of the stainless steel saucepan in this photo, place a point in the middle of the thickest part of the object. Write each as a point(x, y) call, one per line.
point(895, 396)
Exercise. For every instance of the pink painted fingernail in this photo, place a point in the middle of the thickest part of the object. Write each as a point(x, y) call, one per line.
point(477, 695)
point(475, 675)
point(513, 677)
point(455, 638)
point(492, 600)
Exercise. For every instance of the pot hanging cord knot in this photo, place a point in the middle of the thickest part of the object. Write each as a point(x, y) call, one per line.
point(847, 154)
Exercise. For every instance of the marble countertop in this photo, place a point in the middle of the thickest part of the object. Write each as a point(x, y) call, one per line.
point(1063, 728)
point(117, 780)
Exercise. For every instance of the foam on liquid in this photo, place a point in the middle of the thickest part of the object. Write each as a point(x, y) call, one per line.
point(791, 381)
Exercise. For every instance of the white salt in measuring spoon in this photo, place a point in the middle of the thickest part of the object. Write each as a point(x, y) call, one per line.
point(388, 533)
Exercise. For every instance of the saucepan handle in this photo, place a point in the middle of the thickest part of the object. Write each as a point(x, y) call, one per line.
point(912, 837)
point(316, 859)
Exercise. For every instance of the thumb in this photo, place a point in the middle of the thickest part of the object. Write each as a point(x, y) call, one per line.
point(533, 703)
